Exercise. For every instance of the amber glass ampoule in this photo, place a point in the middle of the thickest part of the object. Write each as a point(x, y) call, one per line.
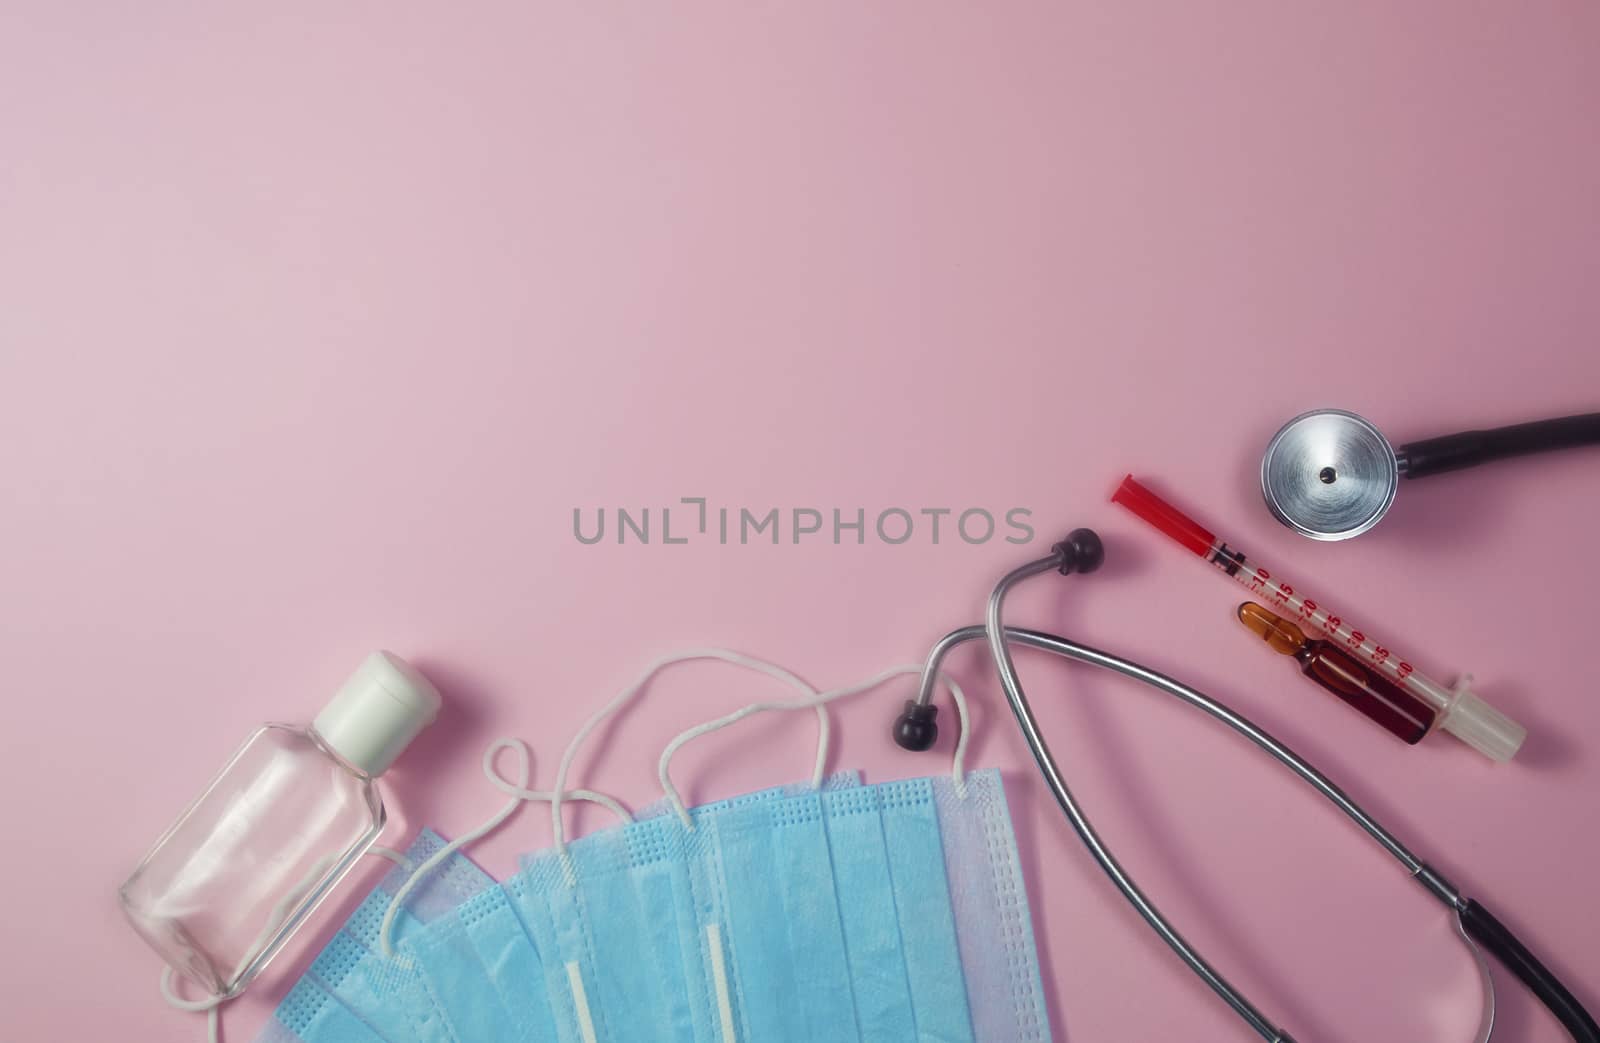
point(1401, 713)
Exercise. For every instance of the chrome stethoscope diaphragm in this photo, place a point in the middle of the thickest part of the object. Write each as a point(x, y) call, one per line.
point(1330, 474)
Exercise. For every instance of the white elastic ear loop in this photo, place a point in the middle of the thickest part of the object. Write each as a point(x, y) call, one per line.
point(520, 794)
point(627, 695)
point(212, 1004)
point(958, 772)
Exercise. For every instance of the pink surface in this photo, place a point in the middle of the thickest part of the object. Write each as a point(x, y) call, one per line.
point(317, 324)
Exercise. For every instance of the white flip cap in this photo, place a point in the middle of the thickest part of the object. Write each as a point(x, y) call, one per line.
point(378, 711)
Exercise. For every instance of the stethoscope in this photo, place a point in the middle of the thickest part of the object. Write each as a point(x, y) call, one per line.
point(1081, 551)
point(1331, 475)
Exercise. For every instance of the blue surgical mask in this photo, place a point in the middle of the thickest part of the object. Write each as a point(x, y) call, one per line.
point(603, 915)
point(308, 1013)
point(511, 962)
point(875, 955)
point(989, 900)
point(660, 881)
point(761, 961)
point(803, 876)
point(453, 998)
point(467, 976)
point(876, 914)
point(853, 894)
point(900, 949)
point(778, 917)
point(379, 994)
point(839, 921)
point(610, 976)
point(913, 842)
point(869, 914)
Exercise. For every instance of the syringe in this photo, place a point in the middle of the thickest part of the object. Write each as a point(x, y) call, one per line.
point(1460, 712)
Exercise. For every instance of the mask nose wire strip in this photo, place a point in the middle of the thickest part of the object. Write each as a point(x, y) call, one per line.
point(627, 695)
point(212, 1005)
point(580, 1001)
point(520, 794)
point(958, 760)
point(719, 977)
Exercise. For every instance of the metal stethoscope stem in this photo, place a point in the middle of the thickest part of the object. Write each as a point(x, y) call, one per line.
point(1081, 552)
point(996, 634)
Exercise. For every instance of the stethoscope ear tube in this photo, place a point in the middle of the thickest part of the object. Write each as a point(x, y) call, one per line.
point(1476, 924)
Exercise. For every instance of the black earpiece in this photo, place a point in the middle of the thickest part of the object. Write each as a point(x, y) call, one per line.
point(916, 729)
point(1081, 551)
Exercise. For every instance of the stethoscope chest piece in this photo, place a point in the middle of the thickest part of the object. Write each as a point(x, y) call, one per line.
point(1329, 474)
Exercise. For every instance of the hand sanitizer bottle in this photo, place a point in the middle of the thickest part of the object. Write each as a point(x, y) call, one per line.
point(275, 831)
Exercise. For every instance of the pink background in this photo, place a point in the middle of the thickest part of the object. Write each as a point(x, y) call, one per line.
point(316, 324)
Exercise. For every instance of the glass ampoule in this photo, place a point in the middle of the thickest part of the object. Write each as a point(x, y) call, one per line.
point(1399, 712)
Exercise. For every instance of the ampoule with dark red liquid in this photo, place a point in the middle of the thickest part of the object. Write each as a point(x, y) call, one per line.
point(1397, 710)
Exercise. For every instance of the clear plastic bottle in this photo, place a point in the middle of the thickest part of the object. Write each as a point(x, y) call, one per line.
point(230, 882)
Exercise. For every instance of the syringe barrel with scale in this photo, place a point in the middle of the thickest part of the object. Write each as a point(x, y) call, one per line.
point(1460, 712)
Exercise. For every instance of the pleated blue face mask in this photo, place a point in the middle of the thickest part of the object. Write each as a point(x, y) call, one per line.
point(636, 919)
point(353, 992)
point(989, 899)
point(478, 972)
point(373, 988)
point(841, 923)
point(349, 993)
point(830, 927)
point(386, 989)
point(482, 972)
point(900, 934)
point(830, 911)
point(937, 935)
point(308, 1012)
